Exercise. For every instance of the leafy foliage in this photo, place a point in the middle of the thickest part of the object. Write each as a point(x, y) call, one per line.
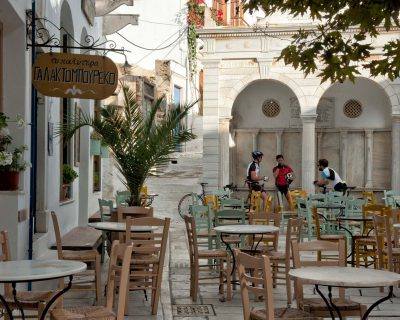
point(69, 174)
point(331, 42)
point(137, 142)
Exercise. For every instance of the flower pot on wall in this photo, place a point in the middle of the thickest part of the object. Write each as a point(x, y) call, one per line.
point(9, 180)
point(104, 152)
point(95, 147)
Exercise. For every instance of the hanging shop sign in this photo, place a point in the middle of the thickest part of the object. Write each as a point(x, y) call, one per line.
point(81, 76)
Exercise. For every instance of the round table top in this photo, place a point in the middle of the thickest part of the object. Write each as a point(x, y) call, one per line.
point(247, 229)
point(119, 227)
point(36, 270)
point(396, 225)
point(348, 277)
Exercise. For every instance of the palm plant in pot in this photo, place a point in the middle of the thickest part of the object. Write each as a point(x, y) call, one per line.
point(137, 142)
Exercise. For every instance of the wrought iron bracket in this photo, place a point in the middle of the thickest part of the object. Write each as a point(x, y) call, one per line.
point(45, 38)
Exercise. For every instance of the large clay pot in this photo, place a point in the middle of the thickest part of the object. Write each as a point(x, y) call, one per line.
point(9, 180)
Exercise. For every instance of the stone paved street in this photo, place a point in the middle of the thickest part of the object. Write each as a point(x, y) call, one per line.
point(171, 184)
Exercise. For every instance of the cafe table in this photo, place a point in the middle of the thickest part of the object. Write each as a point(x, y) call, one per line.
point(346, 277)
point(24, 271)
point(396, 225)
point(119, 227)
point(244, 229)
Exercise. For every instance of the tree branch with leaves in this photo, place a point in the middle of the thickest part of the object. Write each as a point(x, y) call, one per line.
point(342, 40)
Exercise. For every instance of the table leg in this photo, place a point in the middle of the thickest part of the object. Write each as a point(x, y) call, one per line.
point(55, 297)
point(14, 293)
point(332, 304)
point(351, 254)
point(5, 305)
point(331, 311)
point(372, 307)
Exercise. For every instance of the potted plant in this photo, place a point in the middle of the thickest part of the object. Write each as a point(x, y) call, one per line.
point(11, 163)
point(68, 176)
point(137, 141)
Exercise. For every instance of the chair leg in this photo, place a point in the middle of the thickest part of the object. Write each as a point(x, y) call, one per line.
point(191, 281)
point(288, 286)
point(228, 280)
point(221, 276)
point(97, 271)
point(195, 283)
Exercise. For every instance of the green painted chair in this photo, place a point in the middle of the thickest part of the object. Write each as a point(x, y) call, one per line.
point(222, 194)
point(388, 197)
point(230, 217)
point(304, 211)
point(231, 204)
point(106, 207)
point(122, 198)
point(317, 197)
point(203, 217)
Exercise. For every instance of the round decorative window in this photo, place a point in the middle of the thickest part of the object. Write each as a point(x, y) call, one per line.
point(352, 108)
point(271, 108)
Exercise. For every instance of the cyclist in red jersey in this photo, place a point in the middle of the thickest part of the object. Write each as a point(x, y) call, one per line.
point(283, 178)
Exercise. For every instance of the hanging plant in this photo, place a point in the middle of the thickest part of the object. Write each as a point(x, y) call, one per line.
point(195, 19)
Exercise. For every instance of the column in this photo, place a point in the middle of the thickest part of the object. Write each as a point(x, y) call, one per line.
point(211, 145)
point(224, 151)
point(308, 161)
point(343, 154)
point(254, 135)
point(232, 159)
point(396, 152)
point(279, 141)
point(319, 144)
point(368, 155)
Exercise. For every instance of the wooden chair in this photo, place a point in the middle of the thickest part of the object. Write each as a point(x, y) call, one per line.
point(255, 202)
point(106, 208)
point(316, 306)
point(219, 255)
point(133, 212)
point(230, 203)
point(230, 217)
point(370, 197)
point(122, 198)
point(91, 257)
point(203, 218)
point(281, 261)
point(212, 201)
point(327, 237)
point(365, 244)
point(388, 254)
point(255, 276)
point(295, 194)
point(148, 255)
point(29, 300)
point(144, 192)
point(118, 273)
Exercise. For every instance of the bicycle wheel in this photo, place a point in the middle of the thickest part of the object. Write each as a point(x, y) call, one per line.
point(184, 203)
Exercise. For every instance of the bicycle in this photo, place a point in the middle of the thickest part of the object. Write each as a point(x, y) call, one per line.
point(187, 199)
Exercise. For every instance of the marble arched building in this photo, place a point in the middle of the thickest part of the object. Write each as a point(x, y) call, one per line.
point(251, 101)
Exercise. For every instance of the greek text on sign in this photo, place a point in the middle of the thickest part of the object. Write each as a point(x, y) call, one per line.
point(68, 75)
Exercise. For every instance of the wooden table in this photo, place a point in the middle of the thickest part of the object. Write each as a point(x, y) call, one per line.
point(346, 277)
point(81, 238)
point(37, 270)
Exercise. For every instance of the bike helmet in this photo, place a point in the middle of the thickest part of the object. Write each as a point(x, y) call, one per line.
point(256, 154)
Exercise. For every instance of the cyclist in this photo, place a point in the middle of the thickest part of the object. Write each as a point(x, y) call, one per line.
point(327, 175)
point(253, 174)
point(284, 176)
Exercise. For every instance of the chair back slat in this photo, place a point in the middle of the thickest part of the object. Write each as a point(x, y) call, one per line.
point(255, 275)
point(118, 272)
point(316, 246)
point(57, 234)
point(5, 256)
point(191, 233)
point(106, 207)
point(133, 212)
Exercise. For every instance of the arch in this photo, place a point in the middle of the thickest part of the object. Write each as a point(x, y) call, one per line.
point(242, 84)
point(382, 82)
